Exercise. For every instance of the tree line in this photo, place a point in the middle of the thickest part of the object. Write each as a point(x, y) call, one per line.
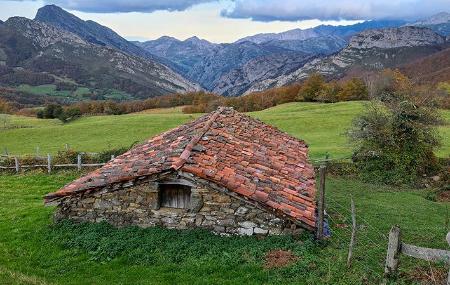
point(313, 89)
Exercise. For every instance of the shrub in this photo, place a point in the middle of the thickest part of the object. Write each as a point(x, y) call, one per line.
point(396, 136)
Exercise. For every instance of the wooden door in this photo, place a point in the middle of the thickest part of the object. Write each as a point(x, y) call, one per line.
point(175, 195)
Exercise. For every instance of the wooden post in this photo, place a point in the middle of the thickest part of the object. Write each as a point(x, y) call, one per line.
point(321, 202)
point(79, 161)
point(352, 239)
point(16, 160)
point(112, 156)
point(448, 241)
point(67, 147)
point(6, 151)
point(393, 252)
point(49, 163)
point(37, 151)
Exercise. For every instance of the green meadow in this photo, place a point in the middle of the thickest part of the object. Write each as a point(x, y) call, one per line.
point(322, 126)
point(35, 251)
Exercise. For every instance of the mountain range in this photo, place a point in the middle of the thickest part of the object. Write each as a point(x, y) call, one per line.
point(75, 53)
point(59, 48)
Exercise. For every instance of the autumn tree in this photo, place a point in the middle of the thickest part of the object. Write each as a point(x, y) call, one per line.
point(353, 89)
point(311, 87)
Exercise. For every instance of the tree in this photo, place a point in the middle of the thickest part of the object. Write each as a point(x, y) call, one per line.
point(396, 136)
point(353, 89)
point(311, 88)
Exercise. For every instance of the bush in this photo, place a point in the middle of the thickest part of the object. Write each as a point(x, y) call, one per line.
point(396, 136)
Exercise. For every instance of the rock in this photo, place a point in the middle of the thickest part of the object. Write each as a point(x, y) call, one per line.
point(241, 211)
point(260, 231)
point(219, 229)
point(226, 222)
point(436, 178)
point(247, 225)
point(245, 231)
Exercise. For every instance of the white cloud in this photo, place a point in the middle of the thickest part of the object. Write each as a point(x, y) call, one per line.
point(117, 6)
point(292, 10)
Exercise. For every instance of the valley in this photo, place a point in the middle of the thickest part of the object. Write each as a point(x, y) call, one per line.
point(41, 51)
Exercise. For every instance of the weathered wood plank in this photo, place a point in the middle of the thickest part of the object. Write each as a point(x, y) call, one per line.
point(16, 161)
point(321, 202)
point(93, 164)
point(429, 254)
point(392, 256)
point(49, 163)
point(353, 237)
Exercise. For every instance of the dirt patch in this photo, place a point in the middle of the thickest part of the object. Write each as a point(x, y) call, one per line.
point(444, 196)
point(279, 258)
point(426, 275)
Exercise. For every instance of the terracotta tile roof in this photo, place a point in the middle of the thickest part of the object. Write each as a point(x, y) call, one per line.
point(228, 148)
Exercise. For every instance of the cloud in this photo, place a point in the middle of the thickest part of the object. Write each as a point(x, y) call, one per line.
point(119, 6)
point(293, 10)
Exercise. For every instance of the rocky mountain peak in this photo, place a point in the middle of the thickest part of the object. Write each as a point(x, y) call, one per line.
point(408, 36)
point(440, 18)
point(42, 34)
point(54, 13)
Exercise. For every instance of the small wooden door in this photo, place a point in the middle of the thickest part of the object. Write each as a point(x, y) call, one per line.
point(175, 195)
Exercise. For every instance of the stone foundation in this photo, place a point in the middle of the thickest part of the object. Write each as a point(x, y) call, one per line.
point(211, 207)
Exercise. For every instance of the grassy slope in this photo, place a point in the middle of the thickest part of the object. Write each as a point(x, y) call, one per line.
point(88, 133)
point(32, 253)
point(323, 127)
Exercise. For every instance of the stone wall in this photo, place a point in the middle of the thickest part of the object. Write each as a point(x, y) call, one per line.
point(137, 203)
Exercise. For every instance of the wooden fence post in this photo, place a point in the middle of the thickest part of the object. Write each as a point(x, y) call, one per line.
point(321, 202)
point(79, 162)
point(352, 239)
point(16, 160)
point(49, 163)
point(6, 151)
point(448, 241)
point(393, 252)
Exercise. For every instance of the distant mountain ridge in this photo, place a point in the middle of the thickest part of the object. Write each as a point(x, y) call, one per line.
point(230, 69)
point(367, 51)
point(322, 30)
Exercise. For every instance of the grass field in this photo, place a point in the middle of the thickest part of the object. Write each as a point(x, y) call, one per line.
point(34, 252)
point(323, 127)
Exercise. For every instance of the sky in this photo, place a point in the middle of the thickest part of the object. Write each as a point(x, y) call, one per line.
point(225, 20)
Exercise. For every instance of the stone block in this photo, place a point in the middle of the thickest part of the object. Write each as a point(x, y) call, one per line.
point(245, 231)
point(247, 225)
point(241, 211)
point(260, 231)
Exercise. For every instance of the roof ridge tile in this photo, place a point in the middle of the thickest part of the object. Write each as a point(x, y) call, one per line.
point(178, 163)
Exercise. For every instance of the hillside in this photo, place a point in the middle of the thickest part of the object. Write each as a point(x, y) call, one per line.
point(98, 133)
point(430, 69)
point(36, 53)
point(89, 31)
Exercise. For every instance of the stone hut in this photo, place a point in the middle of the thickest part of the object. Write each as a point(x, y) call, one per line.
point(225, 172)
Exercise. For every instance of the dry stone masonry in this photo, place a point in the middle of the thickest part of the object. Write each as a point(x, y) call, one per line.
point(211, 207)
